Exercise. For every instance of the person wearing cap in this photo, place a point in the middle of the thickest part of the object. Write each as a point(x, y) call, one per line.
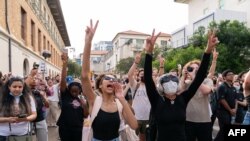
point(73, 106)
point(227, 97)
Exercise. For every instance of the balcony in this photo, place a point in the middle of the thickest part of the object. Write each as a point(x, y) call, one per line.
point(182, 1)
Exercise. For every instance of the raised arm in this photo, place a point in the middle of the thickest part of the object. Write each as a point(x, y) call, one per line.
point(201, 73)
point(132, 69)
point(246, 85)
point(63, 84)
point(213, 65)
point(86, 80)
point(127, 112)
point(149, 83)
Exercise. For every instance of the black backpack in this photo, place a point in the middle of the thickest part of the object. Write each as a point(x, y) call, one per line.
point(39, 106)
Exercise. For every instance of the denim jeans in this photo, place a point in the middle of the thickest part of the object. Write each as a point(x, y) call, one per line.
point(116, 139)
point(247, 119)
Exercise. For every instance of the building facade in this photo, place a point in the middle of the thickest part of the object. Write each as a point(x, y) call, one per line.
point(27, 29)
point(103, 45)
point(127, 44)
point(202, 12)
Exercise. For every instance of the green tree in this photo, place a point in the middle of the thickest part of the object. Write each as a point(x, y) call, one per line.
point(124, 65)
point(234, 49)
point(74, 69)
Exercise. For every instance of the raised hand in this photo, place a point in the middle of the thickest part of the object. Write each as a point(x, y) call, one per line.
point(137, 58)
point(150, 42)
point(64, 57)
point(90, 31)
point(118, 90)
point(212, 41)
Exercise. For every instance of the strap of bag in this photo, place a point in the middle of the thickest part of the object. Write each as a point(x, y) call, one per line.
point(96, 107)
point(136, 88)
point(120, 108)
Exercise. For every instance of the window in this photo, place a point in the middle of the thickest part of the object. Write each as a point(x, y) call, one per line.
point(44, 42)
point(221, 4)
point(39, 40)
point(139, 41)
point(32, 34)
point(164, 43)
point(23, 24)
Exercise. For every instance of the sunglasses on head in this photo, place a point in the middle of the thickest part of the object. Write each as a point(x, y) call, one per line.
point(168, 78)
point(110, 78)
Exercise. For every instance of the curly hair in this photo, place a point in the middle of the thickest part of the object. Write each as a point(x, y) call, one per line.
point(99, 80)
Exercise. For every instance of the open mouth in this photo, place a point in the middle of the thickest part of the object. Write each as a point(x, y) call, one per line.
point(110, 86)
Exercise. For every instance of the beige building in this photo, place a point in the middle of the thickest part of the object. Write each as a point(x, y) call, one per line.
point(127, 44)
point(202, 12)
point(27, 28)
point(97, 61)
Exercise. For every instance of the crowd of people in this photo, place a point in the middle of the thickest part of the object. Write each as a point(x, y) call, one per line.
point(146, 105)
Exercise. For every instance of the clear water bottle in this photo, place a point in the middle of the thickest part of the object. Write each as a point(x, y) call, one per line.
point(232, 119)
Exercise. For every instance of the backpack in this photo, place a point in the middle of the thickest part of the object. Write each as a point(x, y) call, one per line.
point(39, 106)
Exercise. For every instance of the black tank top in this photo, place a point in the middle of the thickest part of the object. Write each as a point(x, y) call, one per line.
point(106, 125)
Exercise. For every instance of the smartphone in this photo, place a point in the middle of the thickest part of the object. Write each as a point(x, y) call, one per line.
point(22, 115)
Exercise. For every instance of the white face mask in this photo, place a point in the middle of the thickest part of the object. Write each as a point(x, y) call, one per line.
point(170, 87)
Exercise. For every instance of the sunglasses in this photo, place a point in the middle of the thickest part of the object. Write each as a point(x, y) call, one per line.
point(190, 69)
point(110, 79)
point(168, 78)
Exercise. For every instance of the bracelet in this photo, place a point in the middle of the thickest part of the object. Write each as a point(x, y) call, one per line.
point(161, 67)
point(136, 63)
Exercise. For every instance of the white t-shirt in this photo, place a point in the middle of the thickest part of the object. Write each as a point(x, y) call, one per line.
point(198, 109)
point(141, 104)
point(55, 96)
point(20, 128)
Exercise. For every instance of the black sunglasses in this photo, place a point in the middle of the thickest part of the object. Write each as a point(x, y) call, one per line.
point(168, 78)
point(110, 78)
point(190, 69)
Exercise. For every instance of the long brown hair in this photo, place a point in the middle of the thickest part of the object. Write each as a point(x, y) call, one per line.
point(7, 100)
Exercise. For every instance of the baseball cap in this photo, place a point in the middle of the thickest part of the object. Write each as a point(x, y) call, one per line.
point(69, 79)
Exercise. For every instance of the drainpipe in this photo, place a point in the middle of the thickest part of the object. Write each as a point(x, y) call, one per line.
point(8, 29)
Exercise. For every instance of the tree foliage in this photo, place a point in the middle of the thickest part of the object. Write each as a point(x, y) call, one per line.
point(234, 47)
point(74, 69)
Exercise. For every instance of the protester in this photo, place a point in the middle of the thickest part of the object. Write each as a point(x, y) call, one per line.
point(227, 97)
point(140, 102)
point(107, 121)
point(246, 91)
point(73, 107)
point(169, 107)
point(17, 109)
